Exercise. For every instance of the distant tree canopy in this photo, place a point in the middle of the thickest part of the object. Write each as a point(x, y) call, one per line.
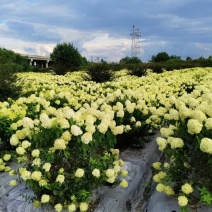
point(66, 56)
point(160, 57)
point(130, 60)
point(19, 62)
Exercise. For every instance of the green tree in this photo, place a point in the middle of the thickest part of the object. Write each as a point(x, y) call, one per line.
point(188, 58)
point(65, 57)
point(8, 86)
point(130, 60)
point(174, 57)
point(20, 63)
point(160, 57)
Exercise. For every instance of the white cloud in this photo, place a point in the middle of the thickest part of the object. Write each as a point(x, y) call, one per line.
point(105, 46)
point(101, 28)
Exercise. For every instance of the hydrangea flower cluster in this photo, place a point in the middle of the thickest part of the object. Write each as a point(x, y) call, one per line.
point(64, 131)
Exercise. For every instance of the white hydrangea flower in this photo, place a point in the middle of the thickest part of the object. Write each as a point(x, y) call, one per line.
point(28, 122)
point(206, 145)
point(194, 127)
point(86, 138)
point(75, 130)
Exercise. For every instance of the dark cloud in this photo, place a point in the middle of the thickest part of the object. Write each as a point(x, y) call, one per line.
point(179, 27)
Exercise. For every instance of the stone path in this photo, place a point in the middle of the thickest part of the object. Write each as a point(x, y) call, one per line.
point(115, 199)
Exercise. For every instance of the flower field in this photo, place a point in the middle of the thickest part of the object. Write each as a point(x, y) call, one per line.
point(63, 130)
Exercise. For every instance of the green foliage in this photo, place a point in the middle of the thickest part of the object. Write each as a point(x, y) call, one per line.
point(8, 86)
point(13, 59)
point(130, 60)
point(100, 72)
point(205, 195)
point(160, 57)
point(137, 70)
point(66, 56)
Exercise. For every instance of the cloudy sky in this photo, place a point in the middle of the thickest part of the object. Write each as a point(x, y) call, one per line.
point(101, 28)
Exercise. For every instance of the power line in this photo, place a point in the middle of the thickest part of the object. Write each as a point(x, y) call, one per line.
point(135, 47)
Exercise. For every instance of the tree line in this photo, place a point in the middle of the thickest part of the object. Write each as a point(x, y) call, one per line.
point(67, 58)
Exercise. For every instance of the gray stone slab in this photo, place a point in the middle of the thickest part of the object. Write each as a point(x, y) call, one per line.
point(138, 163)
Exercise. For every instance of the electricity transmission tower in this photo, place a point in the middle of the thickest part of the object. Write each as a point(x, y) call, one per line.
point(135, 47)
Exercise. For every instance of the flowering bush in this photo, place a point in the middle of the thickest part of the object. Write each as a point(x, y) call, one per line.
point(63, 131)
point(187, 143)
point(67, 154)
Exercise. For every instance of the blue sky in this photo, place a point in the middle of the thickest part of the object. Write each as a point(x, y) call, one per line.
point(102, 28)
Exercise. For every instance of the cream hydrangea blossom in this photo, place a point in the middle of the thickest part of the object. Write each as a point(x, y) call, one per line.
point(58, 207)
point(45, 198)
point(208, 123)
point(162, 143)
point(36, 175)
point(187, 188)
point(86, 138)
point(20, 150)
point(12, 172)
point(168, 190)
point(83, 206)
point(64, 124)
point(175, 142)
point(110, 173)
point(111, 179)
point(118, 130)
point(7, 157)
point(166, 132)
point(36, 162)
point(124, 173)
point(14, 140)
point(66, 136)
point(194, 127)
point(120, 114)
point(198, 115)
point(90, 128)
point(182, 201)
point(75, 130)
point(42, 182)
point(25, 175)
point(28, 122)
point(103, 127)
point(59, 144)
point(72, 208)
point(174, 114)
point(160, 176)
point(160, 187)
point(124, 183)
point(13, 182)
point(35, 153)
point(79, 173)
point(60, 178)
point(157, 165)
point(184, 112)
point(90, 119)
point(47, 166)
point(2, 167)
point(46, 122)
point(206, 145)
point(96, 173)
point(117, 168)
point(25, 144)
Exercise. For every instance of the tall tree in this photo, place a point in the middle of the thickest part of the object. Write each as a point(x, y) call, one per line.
point(65, 56)
point(160, 57)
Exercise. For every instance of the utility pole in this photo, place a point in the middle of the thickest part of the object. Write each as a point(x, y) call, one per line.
point(135, 47)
